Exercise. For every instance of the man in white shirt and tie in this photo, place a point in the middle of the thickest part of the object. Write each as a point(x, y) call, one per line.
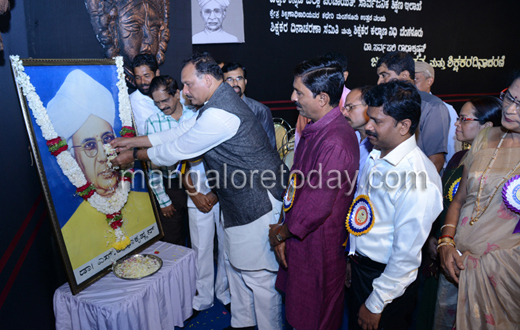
point(398, 198)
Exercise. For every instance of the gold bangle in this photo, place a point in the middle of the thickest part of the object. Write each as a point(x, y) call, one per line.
point(442, 244)
point(446, 240)
point(448, 225)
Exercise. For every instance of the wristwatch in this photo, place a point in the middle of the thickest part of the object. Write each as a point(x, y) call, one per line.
point(278, 236)
point(135, 154)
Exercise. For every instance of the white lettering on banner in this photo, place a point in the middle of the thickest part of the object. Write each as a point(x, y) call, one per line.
point(300, 14)
point(360, 30)
point(329, 29)
point(327, 15)
point(347, 17)
point(366, 18)
point(454, 63)
point(100, 262)
point(330, 17)
point(339, 3)
point(379, 4)
point(415, 49)
point(411, 32)
point(278, 2)
point(305, 28)
point(279, 27)
point(296, 3)
point(313, 3)
point(346, 32)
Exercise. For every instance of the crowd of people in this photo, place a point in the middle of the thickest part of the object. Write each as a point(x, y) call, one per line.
point(362, 217)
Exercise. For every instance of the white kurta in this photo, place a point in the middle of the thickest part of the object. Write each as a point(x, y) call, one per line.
point(247, 245)
point(253, 272)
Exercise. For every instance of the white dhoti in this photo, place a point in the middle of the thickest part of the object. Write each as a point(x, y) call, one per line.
point(252, 273)
point(202, 233)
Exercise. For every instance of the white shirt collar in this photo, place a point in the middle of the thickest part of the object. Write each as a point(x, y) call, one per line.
point(398, 153)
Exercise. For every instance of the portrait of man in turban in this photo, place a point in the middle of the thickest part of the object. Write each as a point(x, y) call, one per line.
point(213, 13)
point(131, 27)
point(83, 112)
point(82, 105)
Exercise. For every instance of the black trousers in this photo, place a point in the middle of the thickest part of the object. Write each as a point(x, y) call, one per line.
point(176, 229)
point(396, 315)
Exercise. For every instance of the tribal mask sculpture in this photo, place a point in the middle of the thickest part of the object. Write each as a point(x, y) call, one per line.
point(131, 27)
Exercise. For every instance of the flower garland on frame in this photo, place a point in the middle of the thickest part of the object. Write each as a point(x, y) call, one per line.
point(110, 206)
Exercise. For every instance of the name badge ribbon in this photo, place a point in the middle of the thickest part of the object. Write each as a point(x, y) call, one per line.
point(360, 218)
point(453, 189)
point(288, 196)
point(511, 197)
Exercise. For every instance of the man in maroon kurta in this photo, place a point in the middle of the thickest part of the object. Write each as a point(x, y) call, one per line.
point(309, 244)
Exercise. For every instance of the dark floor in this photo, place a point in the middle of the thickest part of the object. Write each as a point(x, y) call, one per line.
point(218, 318)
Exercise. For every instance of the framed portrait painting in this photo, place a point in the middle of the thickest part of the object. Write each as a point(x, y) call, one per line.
point(73, 109)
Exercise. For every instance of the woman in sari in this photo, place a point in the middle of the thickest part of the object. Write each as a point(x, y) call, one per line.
point(475, 115)
point(480, 243)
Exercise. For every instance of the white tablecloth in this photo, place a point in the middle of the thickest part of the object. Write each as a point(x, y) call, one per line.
point(160, 301)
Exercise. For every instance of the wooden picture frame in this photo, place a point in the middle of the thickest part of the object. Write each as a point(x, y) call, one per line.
point(77, 98)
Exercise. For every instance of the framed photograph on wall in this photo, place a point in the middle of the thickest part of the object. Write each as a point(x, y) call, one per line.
point(72, 110)
point(217, 21)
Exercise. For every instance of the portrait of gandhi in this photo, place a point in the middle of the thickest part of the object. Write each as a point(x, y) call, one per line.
point(83, 113)
point(213, 14)
point(131, 27)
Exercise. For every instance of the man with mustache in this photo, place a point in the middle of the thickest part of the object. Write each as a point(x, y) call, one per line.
point(355, 111)
point(330, 57)
point(235, 75)
point(247, 175)
point(203, 208)
point(309, 243)
point(432, 136)
point(398, 197)
point(145, 69)
point(165, 181)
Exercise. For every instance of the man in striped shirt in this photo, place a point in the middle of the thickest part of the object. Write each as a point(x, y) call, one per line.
point(165, 181)
point(203, 207)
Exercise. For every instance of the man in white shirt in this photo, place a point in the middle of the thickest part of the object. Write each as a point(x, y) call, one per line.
point(398, 198)
point(203, 207)
point(424, 78)
point(145, 69)
point(355, 111)
point(247, 175)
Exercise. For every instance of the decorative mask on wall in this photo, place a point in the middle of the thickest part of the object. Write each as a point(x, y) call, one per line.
point(131, 27)
point(4, 8)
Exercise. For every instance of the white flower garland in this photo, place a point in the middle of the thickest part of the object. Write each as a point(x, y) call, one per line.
point(67, 163)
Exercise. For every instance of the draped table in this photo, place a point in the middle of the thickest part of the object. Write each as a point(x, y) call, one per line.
point(160, 301)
